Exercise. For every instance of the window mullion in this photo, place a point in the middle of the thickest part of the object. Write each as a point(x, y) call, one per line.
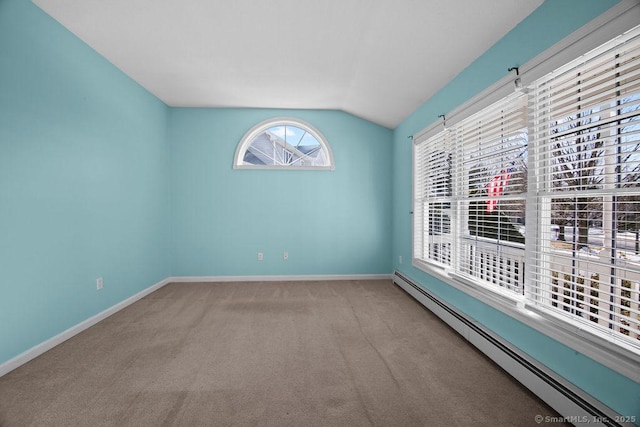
point(541, 258)
point(455, 199)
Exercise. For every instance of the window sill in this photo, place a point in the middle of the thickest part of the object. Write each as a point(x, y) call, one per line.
point(277, 167)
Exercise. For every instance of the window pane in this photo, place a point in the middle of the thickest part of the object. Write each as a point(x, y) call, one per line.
point(629, 144)
point(283, 143)
point(439, 229)
point(492, 149)
point(432, 199)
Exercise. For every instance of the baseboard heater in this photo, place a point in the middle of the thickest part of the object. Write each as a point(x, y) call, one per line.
point(573, 404)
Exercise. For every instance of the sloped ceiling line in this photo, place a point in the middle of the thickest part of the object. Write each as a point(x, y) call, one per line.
point(376, 59)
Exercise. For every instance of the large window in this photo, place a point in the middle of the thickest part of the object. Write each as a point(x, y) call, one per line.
point(587, 132)
point(433, 192)
point(547, 178)
point(283, 143)
point(491, 150)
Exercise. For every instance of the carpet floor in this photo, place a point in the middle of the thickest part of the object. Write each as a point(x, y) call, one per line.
point(325, 353)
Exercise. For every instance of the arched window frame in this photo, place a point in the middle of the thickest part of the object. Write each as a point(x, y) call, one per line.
point(247, 139)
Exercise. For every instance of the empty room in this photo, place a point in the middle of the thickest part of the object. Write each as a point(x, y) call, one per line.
point(299, 212)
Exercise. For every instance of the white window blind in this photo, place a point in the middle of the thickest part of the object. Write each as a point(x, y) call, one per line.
point(587, 168)
point(432, 201)
point(490, 192)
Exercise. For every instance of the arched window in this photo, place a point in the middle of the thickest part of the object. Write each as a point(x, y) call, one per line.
point(283, 143)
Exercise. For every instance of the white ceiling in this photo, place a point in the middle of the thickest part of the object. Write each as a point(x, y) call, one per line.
point(376, 59)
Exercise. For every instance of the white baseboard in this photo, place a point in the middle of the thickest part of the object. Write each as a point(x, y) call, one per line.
point(37, 350)
point(278, 278)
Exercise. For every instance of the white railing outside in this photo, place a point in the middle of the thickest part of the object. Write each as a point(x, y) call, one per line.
point(582, 284)
point(497, 264)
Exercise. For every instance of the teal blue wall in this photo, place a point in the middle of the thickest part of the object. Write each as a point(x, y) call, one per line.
point(548, 24)
point(330, 222)
point(84, 182)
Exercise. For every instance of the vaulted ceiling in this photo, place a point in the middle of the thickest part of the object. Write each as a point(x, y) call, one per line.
point(376, 59)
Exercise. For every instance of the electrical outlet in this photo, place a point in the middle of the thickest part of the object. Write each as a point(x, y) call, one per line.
point(399, 259)
point(260, 256)
point(99, 283)
point(285, 256)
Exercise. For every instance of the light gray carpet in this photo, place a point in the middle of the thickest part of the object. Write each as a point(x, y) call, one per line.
point(337, 353)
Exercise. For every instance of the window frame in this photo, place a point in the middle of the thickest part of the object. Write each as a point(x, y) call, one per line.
point(421, 207)
point(498, 125)
point(618, 356)
point(251, 134)
point(579, 122)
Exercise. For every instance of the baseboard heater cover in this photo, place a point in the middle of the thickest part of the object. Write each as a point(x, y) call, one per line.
point(572, 403)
